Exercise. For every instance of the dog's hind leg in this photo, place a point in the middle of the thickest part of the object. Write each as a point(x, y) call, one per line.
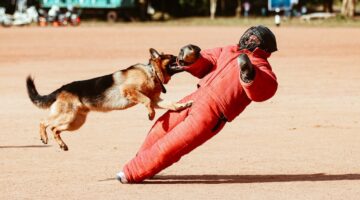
point(58, 139)
point(68, 122)
point(44, 123)
point(67, 116)
point(60, 124)
point(43, 134)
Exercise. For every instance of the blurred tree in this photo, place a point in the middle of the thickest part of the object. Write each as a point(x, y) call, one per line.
point(183, 8)
point(186, 8)
point(328, 5)
point(9, 5)
point(213, 4)
point(348, 8)
point(238, 8)
point(143, 6)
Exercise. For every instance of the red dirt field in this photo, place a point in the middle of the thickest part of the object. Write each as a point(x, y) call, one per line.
point(302, 144)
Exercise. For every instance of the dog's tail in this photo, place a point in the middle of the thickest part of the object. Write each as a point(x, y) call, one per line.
point(41, 101)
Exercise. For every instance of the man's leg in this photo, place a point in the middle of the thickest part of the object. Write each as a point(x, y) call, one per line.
point(194, 145)
point(166, 123)
point(162, 126)
point(186, 136)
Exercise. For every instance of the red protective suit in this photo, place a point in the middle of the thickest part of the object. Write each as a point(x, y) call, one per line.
point(221, 97)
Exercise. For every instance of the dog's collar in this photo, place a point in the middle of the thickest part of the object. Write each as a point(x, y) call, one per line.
point(153, 71)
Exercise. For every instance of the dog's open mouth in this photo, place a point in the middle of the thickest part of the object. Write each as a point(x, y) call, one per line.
point(174, 67)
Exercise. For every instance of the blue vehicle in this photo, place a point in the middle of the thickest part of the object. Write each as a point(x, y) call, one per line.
point(279, 4)
point(111, 7)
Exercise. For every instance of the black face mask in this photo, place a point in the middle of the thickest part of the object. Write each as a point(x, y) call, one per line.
point(266, 39)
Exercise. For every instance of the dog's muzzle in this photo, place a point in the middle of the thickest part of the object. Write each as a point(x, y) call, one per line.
point(174, 67)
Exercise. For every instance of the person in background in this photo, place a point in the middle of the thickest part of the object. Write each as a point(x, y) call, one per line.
point(247, 7)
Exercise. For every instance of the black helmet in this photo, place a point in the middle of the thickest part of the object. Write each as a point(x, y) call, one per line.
point(266, 39)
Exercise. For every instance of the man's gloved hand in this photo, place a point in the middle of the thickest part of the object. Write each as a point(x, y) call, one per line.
point(188, 55)
point(247, 71)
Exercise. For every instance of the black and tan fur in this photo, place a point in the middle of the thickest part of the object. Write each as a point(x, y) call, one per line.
point(70, 104)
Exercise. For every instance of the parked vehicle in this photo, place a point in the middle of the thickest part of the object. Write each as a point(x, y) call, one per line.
point(111, 7)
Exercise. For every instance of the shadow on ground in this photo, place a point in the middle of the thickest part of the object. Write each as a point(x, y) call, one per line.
point(23, 146)
point(226, 179)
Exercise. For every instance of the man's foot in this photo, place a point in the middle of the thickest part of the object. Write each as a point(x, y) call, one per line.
point(121, 177)
point(247, 70)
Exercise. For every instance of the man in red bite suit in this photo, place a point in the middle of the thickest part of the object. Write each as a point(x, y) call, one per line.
point(231, 78)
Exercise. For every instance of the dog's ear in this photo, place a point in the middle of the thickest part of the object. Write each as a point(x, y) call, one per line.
point(154, 54)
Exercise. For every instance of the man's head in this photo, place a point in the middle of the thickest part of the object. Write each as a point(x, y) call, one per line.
point(258, 36)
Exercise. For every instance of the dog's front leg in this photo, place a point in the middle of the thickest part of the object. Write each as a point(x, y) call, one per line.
point(138, 97)
point(172, 105)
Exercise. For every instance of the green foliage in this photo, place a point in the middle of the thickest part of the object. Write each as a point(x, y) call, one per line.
point(194, 7)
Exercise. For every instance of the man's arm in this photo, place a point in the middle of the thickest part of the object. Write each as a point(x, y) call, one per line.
point(259, 82)
point(196, 62)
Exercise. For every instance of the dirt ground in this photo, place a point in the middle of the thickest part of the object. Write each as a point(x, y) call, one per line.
point(302, 144)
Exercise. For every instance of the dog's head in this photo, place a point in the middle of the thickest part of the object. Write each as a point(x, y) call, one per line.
point(164, 64)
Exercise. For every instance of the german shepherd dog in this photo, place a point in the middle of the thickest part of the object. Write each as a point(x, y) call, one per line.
point(140, 83)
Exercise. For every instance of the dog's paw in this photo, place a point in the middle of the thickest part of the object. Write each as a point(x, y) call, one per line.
point(186, 104)
point(151, 116)
point(189, 103)
point(43, 137)
point(44, 140)
point(64, 147)
point(182, 106)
